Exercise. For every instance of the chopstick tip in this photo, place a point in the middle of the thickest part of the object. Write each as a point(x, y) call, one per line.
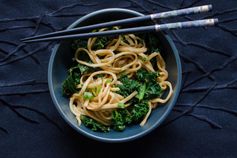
point(22, 40)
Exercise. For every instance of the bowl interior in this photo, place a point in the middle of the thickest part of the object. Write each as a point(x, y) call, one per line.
point(61, 60)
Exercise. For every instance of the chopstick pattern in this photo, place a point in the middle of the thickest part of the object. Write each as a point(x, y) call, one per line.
point(196, 23)
point(75, 32)
point(187, 11)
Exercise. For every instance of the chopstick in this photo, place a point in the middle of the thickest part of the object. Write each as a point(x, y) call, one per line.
point(151, 17)
point(142, 29)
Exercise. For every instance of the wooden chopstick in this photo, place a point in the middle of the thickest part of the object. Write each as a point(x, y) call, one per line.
point(152, 17)
point(142, 29)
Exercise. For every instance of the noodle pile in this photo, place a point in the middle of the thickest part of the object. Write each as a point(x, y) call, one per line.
point(123, 55)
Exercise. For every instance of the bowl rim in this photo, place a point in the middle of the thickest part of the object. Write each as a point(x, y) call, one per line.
point(113, 140)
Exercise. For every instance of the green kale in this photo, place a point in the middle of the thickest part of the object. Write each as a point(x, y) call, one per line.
point(69, 86)
point(145, 83)
point(120, 118)
point(84, 69)
point(70, 83)
point(123, 117)
point(143, 75)
point(73, 78)
point(139, 111)
point(93, 125)
point(141, 92)
point(152, 88)
point(118, 121)
point(101, 43)
point(128, 86)
point(127, 117)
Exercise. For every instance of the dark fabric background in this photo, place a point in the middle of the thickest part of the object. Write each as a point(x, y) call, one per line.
point(30, 126)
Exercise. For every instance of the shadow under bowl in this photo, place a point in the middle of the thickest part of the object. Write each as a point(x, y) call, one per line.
point(61, 60)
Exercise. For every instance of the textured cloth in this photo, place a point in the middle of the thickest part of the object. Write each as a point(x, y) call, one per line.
point(30, 125)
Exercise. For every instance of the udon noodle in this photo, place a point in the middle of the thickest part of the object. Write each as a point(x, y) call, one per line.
point(123, 55)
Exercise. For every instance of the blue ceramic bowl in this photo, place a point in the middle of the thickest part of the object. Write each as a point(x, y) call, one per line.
point(61, 60)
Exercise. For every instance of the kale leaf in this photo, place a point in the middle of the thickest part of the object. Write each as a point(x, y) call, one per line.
point(73, 78)
point(93, 124)
point(139, 111)
point(128, 86)
point(143, 75)
point(133, 114)
point(141, 92)
point(145, 83)
point(70, 83)
point(101, 43)
point(153, 89)
point(120, 118)
point(84, 69)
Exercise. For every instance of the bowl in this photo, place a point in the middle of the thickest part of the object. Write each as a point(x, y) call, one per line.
point(61, 59)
